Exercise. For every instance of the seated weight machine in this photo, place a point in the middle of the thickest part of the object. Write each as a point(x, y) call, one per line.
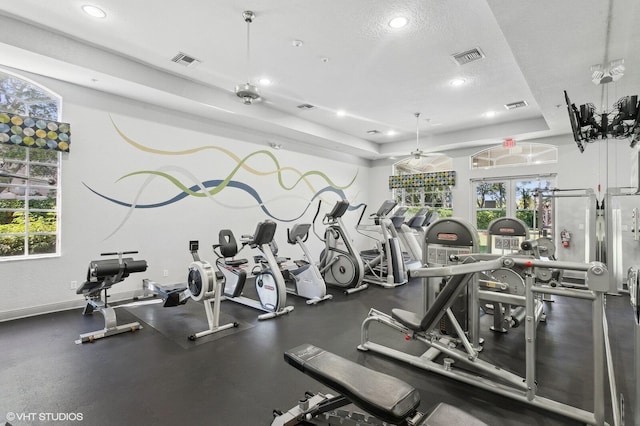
point(505, 235)
point(101, 275)
point(443, 351)
point(384, 398)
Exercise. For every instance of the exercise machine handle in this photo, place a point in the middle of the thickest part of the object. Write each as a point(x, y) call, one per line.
point(114, 253)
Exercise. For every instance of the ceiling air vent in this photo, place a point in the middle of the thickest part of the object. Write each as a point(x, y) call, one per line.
point(514, 105)
point(186, 60)
point(306, 106)
point(468, 56)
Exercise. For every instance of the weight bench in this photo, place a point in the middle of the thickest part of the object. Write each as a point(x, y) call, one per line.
point(384, 397)
point(101, 275)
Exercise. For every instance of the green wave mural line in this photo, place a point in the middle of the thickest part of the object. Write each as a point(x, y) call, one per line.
point(241, 162)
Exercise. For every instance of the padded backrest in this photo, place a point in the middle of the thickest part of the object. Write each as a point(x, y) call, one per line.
point(228, 244)
point(384, 396)
point(443, 301)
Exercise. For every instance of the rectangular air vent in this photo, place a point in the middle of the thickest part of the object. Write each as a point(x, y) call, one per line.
point(306, 106)
point(186, 60)
point(514, 105)
point(468, 56)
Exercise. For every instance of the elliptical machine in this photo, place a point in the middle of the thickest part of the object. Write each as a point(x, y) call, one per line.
point(202, 286)
point(384, 264)
point(269, 282)
point(340, 267)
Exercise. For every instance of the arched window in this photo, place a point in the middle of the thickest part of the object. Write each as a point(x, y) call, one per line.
point(524, 154)
point(424, 164)
point(29, 168)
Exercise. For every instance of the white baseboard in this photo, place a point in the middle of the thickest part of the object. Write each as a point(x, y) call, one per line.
point(62, 306)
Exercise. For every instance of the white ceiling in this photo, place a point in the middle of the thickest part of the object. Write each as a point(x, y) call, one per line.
point(350, 60)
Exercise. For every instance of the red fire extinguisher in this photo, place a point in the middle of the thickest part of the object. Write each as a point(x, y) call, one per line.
point(565, 237)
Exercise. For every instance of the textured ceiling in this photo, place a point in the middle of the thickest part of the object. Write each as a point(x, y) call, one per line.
point(350, 60)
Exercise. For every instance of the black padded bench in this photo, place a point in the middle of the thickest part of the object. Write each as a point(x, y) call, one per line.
point(387, 398)
point(101, 276)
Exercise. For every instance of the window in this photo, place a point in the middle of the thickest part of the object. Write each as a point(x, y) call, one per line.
point(29, 178)
point(519, 197)
point(524, 154)
point(438, 197)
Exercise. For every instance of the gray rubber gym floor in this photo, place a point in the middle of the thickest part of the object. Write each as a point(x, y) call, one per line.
point(157, 377)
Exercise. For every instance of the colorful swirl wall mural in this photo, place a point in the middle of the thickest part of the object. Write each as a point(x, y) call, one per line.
point(197, 188)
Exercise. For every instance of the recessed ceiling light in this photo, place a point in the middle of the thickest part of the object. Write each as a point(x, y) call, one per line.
point(264, 81)
point(490, 114)
point(297, 43)
point(94, 11)
point(457, 82)
point(398, 22)
point(341, 113)
point(391, 133)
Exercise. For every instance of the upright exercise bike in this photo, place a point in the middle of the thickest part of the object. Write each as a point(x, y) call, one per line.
point(340, 263)
point(269, 282)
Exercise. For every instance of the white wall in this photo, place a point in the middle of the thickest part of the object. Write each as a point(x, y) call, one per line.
point(100, 158)
point(604, 164)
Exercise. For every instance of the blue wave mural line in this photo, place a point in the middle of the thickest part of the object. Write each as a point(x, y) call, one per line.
point(233, 184)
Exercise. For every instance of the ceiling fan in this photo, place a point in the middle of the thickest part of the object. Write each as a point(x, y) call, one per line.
point(247, 91)
point(418, 153)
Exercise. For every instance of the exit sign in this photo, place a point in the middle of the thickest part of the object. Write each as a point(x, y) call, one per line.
point(509, 143)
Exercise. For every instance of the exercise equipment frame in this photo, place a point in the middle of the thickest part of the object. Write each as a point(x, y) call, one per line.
point(492, 377)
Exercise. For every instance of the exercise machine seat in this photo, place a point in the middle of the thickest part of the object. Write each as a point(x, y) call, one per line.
point(384, 396)
point(229, 248)
point(437, 309)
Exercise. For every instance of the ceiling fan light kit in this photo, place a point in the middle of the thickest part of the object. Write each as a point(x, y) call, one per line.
point(247, 91)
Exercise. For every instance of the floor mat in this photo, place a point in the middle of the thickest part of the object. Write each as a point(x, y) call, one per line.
point(178, 322)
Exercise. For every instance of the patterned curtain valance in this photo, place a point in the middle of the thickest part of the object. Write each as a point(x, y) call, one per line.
point(34, 132)
point(421, 180)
